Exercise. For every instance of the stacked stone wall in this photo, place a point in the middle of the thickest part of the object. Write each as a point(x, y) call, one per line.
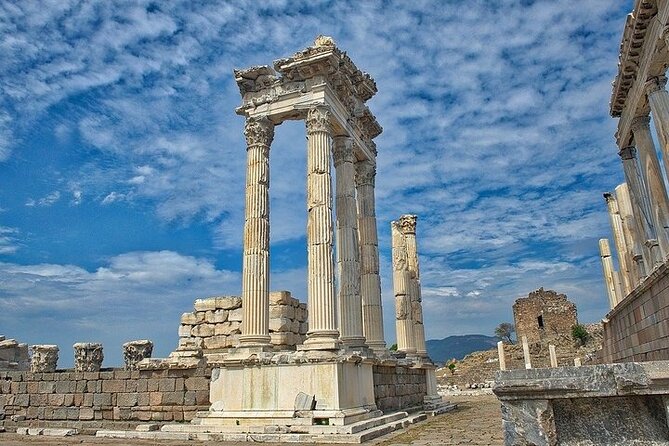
point(105, 396)
point(557, 313)
point(637, 329)
point(398, 387)
point(13, 355)
point(215, 325)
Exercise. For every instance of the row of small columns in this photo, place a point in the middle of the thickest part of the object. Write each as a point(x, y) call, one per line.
point(406, 284)
point(357, 321)
point(639, 209)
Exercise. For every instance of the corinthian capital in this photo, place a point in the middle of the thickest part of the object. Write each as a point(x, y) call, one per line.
point(259, 130)
point(627, 153)
point(640, 123)
point(407, 224)
point(365, 173)
point(654, 84)
point(318, 119)
point(342, 150)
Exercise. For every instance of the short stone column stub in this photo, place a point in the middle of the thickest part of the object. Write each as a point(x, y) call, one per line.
point(321, 300)
point(577, 362)
point(500, 355)
point(553, 355)
point(259, 133)
point(370, 280)
point(88, 356)
point(526, 353)
point(44, 358)
point(348, 250)
point(135, 351)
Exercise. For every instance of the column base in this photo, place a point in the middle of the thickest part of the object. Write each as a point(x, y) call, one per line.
point(255, 341)
point(321, 340)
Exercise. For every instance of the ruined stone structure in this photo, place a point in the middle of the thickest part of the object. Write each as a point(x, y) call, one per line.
point(543, 315)
point(88, 356)
point(135, 351)
point(13, 355)
point(637, 326)
point(44, 358)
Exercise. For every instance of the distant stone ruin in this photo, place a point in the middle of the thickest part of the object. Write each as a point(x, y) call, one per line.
point(544, 315)
point(13, 355)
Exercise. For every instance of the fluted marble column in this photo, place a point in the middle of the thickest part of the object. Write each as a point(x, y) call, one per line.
point(619, 240)
point(370, 281)
point(640, 206)
point(658, 99)
point(629, 230)
point(609, 273)
point(408, 228)
point(323, 333)
point(259, 133)
point(348, 251)
point(656, 190)
point(401, 286)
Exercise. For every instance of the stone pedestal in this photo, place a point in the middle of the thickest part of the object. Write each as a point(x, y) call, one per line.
point(44, 358)
point(135, 351)
point(87, 357)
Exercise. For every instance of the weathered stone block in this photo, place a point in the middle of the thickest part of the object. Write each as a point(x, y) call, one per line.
point(228, 328)
point(236, 315)
point(218, 341)
point(113, 386)
point(135, 351)
point(126, 399)
point(203, 330)
point(281, 324)
point(185, 331)
point(44, 358)
point(102, 399)
point(205, 304)
point(192, 318)
point(285, 311)
point(282, 338)
point(228, 302)
point(216, 317)
point(86, 413)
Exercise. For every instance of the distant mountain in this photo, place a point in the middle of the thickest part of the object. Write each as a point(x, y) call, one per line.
point(441, 350)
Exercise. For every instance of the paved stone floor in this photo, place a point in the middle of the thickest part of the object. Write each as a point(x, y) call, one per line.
point(477, 421)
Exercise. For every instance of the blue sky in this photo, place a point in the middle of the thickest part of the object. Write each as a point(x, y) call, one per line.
point(122, 161)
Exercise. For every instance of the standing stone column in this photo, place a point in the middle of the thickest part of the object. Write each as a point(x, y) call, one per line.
point(259, 133)
point(609, 273)
point(656, 190)
point(658, 98)
point(631, 235)
point(370, 281)
point(408, 228)
point(401, 285)
point(619, 240)
point(640, 206)
point(348, 251)
point(323, 333)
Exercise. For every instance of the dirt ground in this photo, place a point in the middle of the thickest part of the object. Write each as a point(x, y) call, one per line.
point(476, 421)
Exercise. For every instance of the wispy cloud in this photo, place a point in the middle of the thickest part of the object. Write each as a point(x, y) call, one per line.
point(8, 242)
point(46, 201)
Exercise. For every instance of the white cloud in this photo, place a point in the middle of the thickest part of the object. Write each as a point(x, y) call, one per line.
point(8, 242)
point(45, 201)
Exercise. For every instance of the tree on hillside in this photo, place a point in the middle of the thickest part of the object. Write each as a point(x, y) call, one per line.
point(504, 331)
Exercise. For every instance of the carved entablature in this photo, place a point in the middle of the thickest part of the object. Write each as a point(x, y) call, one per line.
point(630, 52)
point(255, 78)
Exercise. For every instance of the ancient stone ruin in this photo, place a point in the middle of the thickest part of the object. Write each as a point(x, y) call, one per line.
point(544, 315)
point(13, 355)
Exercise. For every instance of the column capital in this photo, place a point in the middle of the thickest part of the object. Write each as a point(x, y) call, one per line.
point(318, 119)
point(407, 224)
point(365, 173)
point(640, 123)
point(627, 153)
point(342, 150)
point(258, 130)
point(655, 83)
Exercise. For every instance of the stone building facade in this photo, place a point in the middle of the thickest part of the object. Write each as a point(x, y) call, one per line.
point(543, 315)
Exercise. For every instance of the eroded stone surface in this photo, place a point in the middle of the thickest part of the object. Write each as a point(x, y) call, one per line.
point(88, 356)
point(135, 351)
point(44, 358)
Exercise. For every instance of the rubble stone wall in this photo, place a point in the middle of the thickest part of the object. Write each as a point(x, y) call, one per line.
point(397, 387)
point(637, 329)
point(13, 355)
point(215, 324)
point(543, 315)
point(110, 395)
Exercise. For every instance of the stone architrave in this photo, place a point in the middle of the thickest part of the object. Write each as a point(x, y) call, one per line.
point(640, 206)
point(135, 351)
point(634, 244)
point(259, 133)
point(323, 333)
point(658, 99)
point(609, 273)
point(407, 225)
point(401, 286)
point(370, 281)
point(620, 242)
point(348, 251)
point(88, 356)
point(44, 358)
point(653, 180)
